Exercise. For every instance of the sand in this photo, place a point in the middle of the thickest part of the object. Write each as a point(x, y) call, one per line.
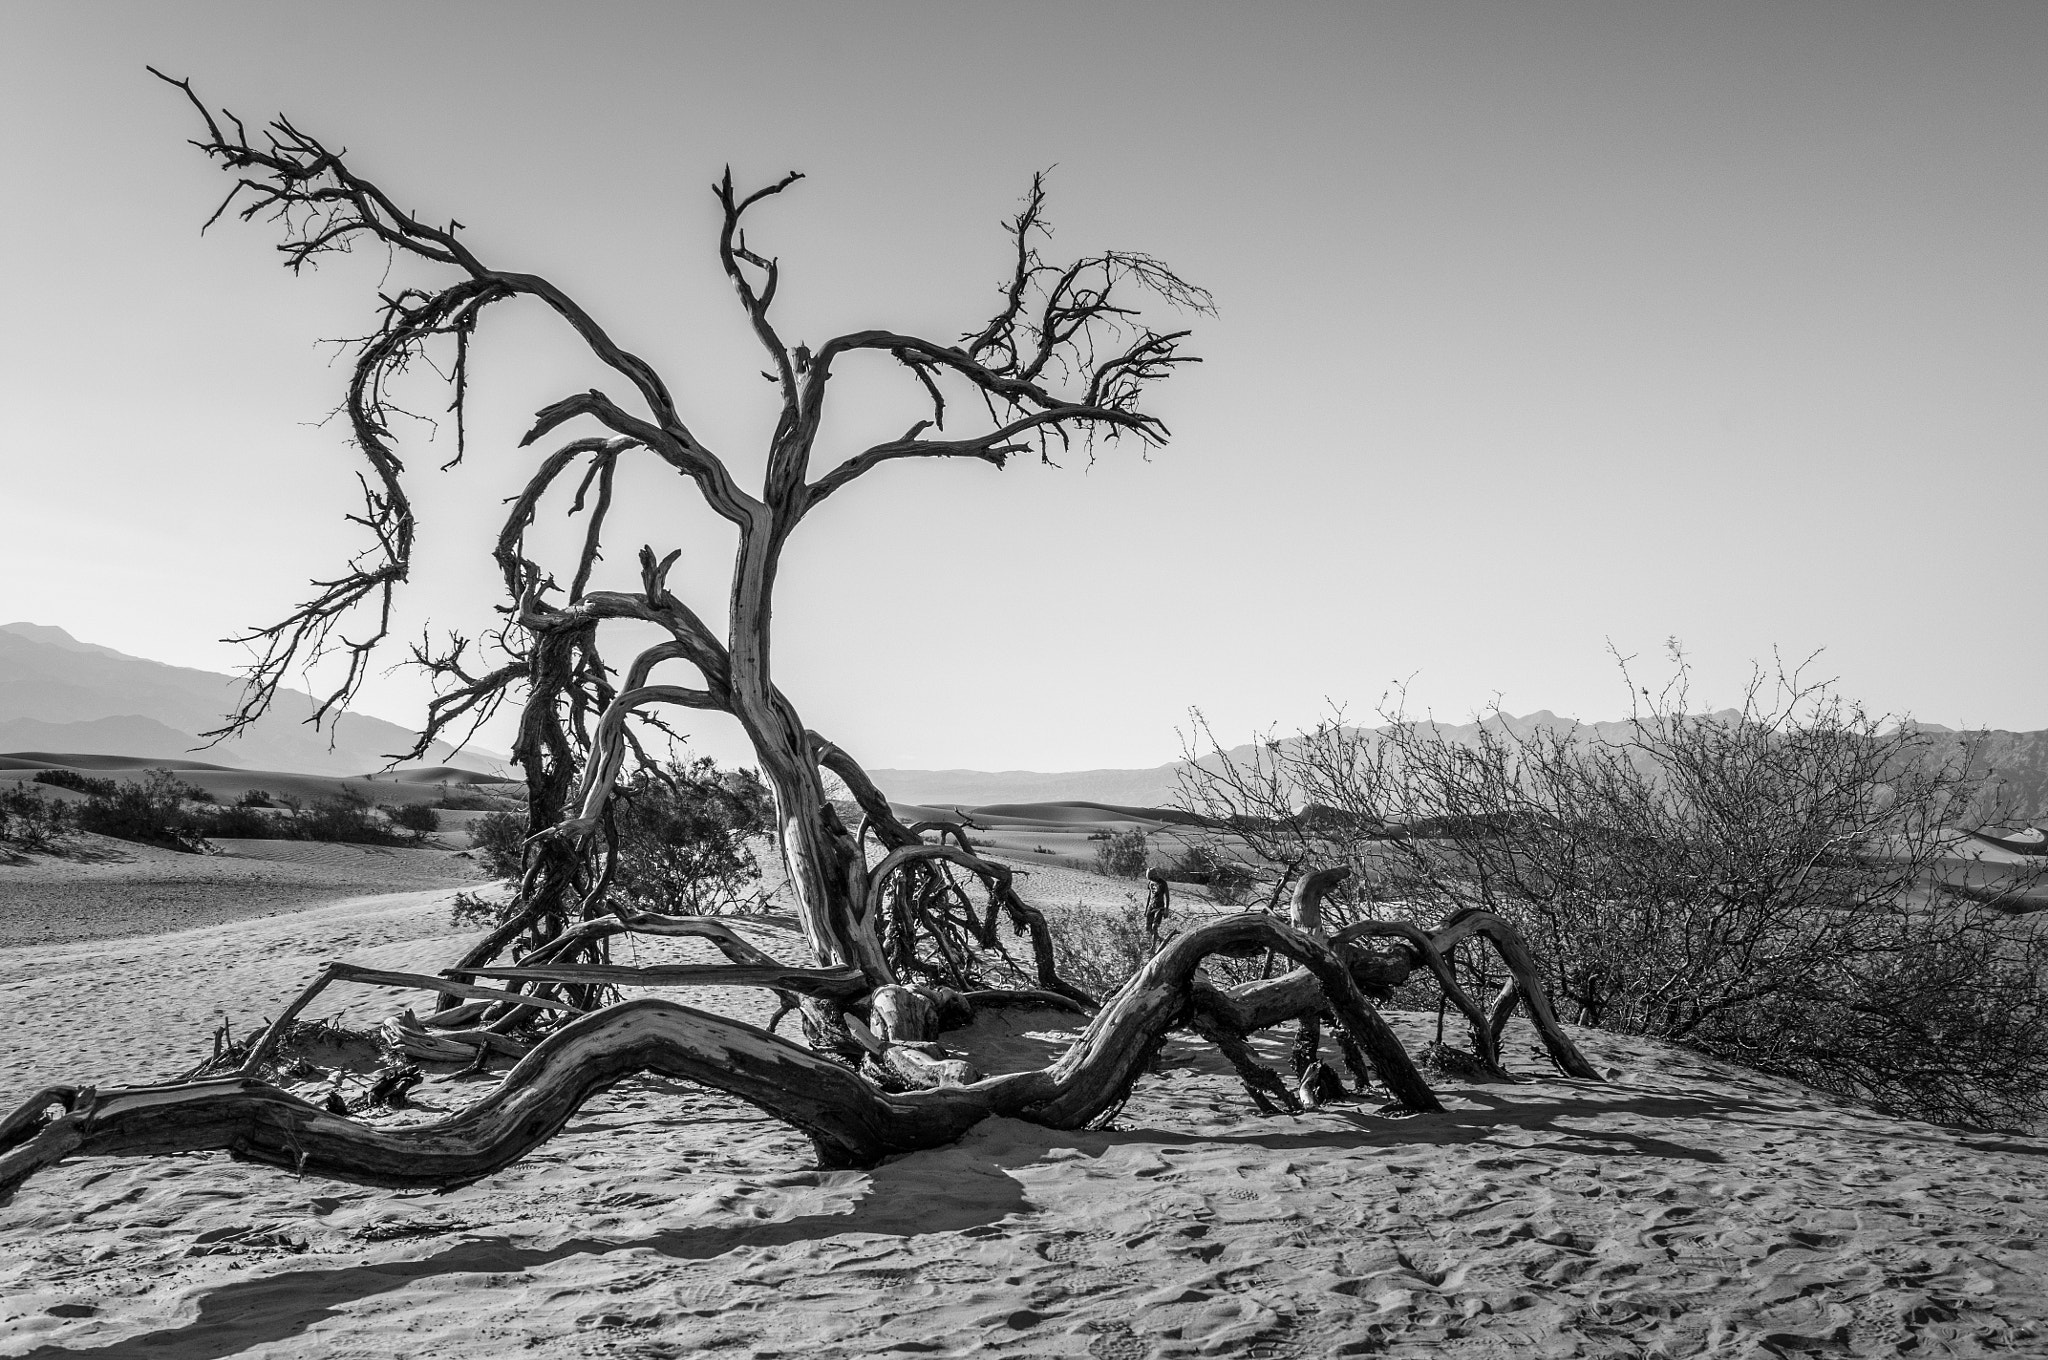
point(103, 889)
point(1682, 1208)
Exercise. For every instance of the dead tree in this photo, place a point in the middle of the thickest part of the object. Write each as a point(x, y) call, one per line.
point(1064, 363)
point(851, 1120)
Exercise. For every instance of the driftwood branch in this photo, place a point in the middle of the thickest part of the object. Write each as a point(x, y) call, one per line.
point(841, 984)
point(851, 1122)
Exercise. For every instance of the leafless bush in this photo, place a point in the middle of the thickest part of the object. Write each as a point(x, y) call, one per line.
point(1099, 947)
point(1771, 884)
point(1123, 854)
point(1208, 865)
point(30, 821)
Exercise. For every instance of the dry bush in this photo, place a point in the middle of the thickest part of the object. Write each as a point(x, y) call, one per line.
point(29, 821)
point(1768, 885)
point(1229, 880)
point(419, 819)
point(1099, 947)
point(499, 840)
point(1123, 854)
point(685, 836)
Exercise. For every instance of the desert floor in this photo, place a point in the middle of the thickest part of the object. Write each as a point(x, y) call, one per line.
point(1683, 1207)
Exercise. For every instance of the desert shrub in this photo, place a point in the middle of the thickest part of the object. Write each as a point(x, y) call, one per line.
point(78, 783)
point(1764, 885)
point(1123, 854)
point(242, 822)
point(418, 818)
point(468, 910)
point(348, 818)
point(1232, 883)
point(1228, 879)
point(684, 834)
point(151, 812)
point(680, 837)
point(499, 841)
point(1099, 947)
point(479, 798)
point(29, 820)
point(256, 798)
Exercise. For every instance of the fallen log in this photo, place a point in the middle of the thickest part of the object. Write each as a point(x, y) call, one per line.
point(1507, 942)
point(850, 1122)
point(409, 1034)
point(837, 984)
point(349, 972)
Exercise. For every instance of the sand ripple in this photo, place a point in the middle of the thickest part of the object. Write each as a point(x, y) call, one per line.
point(1687, 1208)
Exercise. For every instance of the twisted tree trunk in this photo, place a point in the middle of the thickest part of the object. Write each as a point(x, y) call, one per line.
point(851, 1122)
point(1065, 357)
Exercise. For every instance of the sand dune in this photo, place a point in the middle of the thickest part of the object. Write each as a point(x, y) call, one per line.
point(1683, 1208)
point(125, 889)
point(228, 785)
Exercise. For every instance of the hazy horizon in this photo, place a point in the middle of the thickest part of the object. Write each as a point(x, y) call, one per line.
point(1235, 742)
point(1541, 326)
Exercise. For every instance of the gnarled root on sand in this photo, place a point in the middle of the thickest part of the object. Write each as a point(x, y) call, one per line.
point(850, 1120)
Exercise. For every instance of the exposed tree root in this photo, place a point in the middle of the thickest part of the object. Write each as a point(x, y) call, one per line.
point(884, 939)
point(850, 1120)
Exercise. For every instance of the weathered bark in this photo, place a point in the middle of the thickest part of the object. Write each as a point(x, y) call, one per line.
point(1002, 893)
point(1485, 1036)
point(260, 1052)
point(849, 1120)
point(553, 870)
point(834, 984)
point(1508, 943)
point(1065, 356)
point(1306, 909)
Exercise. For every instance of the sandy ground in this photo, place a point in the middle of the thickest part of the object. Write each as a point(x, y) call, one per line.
point(1681, 1208)
point(107, 889)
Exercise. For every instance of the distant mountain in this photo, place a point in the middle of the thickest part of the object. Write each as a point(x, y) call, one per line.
point(59, 694)
point(2015, 765)
point(1153, 787)
point(978, 788)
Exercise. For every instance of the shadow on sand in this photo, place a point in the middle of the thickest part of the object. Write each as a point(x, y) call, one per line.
point(965, 1188)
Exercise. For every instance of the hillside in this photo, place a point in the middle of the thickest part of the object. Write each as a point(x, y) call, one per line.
point(60, 694)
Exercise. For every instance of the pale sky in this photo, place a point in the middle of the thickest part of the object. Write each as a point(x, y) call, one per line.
point(1540, 326)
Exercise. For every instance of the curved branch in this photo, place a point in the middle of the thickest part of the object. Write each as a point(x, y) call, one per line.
point(520, 575)
point(839, 984)
point(323, 206)
point(672, 444)
point(1307, 906)
point(873, 804)
point(732, 252)
point(851, 1122)
point(1508, 943)
point(1043, 411)
point(608, 750)
point(1485, 1035)
point(475, 697)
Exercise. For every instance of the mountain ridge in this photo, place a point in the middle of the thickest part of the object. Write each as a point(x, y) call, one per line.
point(58, 693)
point(2015, 764)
